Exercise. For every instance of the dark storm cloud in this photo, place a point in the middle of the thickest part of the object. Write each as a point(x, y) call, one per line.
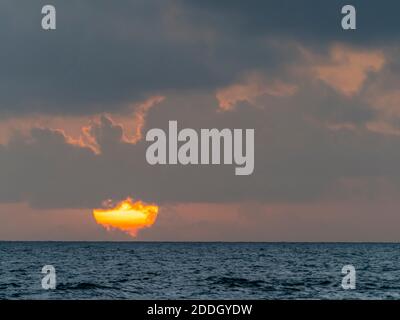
point(105, 54)
point(101, 54)
point(313, 21)
point(295, 161)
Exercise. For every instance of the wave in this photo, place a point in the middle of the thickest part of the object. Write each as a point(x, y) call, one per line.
point(237, 282)
point(81, 286)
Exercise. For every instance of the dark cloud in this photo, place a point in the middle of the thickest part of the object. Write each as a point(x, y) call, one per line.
point(105, 55)
point(312, 21)
point(296, 160)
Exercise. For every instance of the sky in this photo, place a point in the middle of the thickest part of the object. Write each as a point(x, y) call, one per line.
point(76, 103)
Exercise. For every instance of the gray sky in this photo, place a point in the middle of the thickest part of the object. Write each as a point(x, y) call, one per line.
point(324, 103)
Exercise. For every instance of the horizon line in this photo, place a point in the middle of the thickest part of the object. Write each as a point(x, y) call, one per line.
point(205, 241)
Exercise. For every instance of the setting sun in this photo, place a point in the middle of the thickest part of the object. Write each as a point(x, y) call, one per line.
point(127, 216)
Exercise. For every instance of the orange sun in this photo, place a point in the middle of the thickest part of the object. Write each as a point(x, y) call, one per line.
point(127, 216)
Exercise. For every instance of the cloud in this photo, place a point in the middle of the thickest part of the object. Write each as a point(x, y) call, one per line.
point(296, 160)
point(348, 68)
point(103, 57)
point(138, 120)
point(82, 130)
point(308, 21)
point(149, 62)
point(252, 87)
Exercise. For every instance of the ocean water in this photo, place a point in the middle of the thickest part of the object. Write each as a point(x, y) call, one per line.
point(134, 270)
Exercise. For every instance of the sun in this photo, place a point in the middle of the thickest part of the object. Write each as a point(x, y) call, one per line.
point(127, 216)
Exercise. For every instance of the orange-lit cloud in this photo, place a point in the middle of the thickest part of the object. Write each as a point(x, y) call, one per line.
point(133, 123)
point(78, 129)
point(347, 69)
point(71, 126)
point(127, 216)
point(251, 88)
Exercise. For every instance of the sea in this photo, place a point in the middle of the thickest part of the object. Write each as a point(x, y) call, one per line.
point(167, 270)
